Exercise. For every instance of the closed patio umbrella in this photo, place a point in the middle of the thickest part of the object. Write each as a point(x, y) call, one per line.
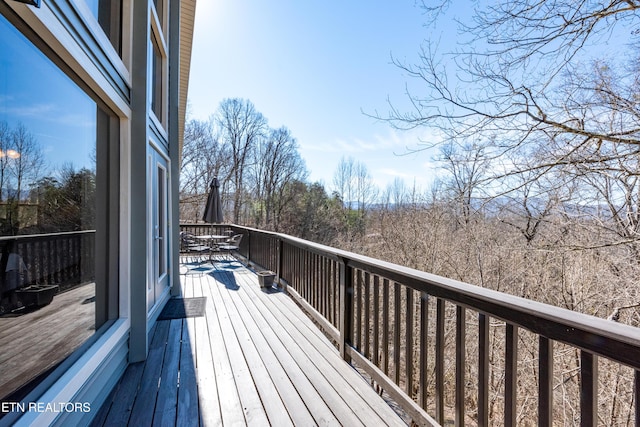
point(213, 208)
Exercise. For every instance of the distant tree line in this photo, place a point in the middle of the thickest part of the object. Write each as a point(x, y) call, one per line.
point(33, 200)
point(263, 177)
point(538, 142)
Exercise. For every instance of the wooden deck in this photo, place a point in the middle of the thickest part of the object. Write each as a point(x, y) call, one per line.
point(253, 359)
point(35, 341)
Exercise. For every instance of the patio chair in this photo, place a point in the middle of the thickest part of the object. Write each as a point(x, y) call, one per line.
point(190, 245)
point(231, 245)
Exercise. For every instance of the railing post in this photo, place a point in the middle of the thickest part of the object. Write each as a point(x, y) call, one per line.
point(280, 264)
point(440, 324)
point(545, 387)
point(460, 365)
point(249, 234)
point(346, 308)
point(483, 370)
point(588, 389)
point(511, 375)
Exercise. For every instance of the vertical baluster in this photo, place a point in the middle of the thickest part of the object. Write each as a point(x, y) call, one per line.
point(460, 363)
point(284, 263)
point(317, 284)
point(396, 332)
point(316, 280)
point(440, 320)
point(333, 298)
point(424, 333)
point(43, 268)
point(294, 267)
point(325, 286)
point(358, 298)
point(313, 275)
point(299, 273)
point(307, 276)
point(367, 316)
point(588, 389)
point(283, 259)
point(280, 261)
point(308, 280)
point(385, 325)
point(54, 257)
point(408, 360)
point(336, 289)
point(376, 320)
point(37, 277)
point(321, 287)
point(636, 397)
point(304, 274)
point(511, 366)
point(346, 308)
point(545, 391)
point(42, 262)
point(299, 269)
point(273, 253)
point(483, 370)
point(50, 252)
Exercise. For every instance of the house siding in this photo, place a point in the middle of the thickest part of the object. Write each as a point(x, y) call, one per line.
point(66, 32)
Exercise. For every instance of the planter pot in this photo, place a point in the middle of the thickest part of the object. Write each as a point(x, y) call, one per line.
point(38, 295)
point(265, 278)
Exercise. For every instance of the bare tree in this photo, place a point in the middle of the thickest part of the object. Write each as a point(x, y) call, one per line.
point(355, 188)
point(21, 165)
point(277, 163)
point(531, 203)
point(396, 193)
point(27, 160)
point(241, 125)
point(342, 179)
point(366, 191)
point(203, 158)
point(467, 166)
point(353, 184)
point(5, 144)
point(524, 76)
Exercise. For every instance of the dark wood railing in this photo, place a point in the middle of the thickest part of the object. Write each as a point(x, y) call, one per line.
point(407, 330)
point(63, 259)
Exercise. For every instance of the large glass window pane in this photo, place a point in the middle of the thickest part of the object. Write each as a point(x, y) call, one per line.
point(55, 145)
point(156, 80)
point(109, 16)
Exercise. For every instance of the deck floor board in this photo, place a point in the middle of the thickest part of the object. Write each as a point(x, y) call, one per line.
point(254, 358)
point(324, 354)
point(34, 341)
point(166, 405)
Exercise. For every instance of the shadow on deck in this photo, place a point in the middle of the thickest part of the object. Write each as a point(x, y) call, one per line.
point(253, 358)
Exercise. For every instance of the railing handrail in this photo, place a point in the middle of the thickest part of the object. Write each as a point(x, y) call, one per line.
point(599, 336)
point(44, 235)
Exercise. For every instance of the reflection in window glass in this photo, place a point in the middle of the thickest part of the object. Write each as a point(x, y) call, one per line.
point(109, 16)
point(48, 196)
point(159, 8)
point(156, 82)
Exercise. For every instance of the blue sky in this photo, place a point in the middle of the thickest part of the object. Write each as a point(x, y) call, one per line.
point(314, 67)
point(58, 114)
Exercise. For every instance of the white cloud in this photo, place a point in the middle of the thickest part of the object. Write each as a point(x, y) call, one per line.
point(34, 110)
point(396, 142)
point(54, 114)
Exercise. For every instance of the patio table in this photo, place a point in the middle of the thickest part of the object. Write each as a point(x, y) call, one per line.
point(213, 240)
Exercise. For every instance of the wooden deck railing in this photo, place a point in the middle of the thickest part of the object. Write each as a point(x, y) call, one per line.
point(63, 259)
point(411, 332)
